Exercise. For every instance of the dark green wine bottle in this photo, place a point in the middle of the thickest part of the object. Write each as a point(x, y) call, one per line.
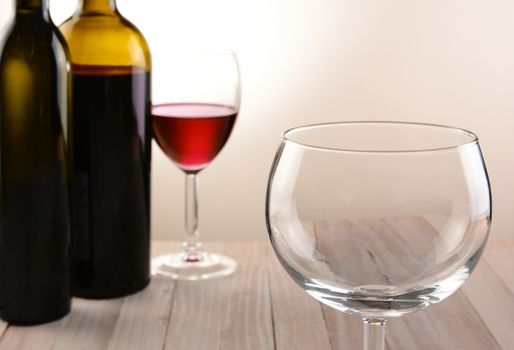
point(34, 223)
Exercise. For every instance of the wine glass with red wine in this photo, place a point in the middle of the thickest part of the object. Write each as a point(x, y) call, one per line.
point(192, 120)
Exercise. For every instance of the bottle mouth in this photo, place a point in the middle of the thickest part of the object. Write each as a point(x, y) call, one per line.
point(380, 137)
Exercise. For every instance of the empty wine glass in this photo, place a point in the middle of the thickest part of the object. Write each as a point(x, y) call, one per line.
point(192, 119)
point(378, 219)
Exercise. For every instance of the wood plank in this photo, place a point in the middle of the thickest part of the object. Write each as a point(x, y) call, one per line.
point(260, 307)
point(375, 252)
point(88, 326)
point(297, 317)
point(491, 291)
point(345, 331)
point(144, 318)
point(3, 327)
point(229, 313)
point(385, 251)
point(138, 321)
point(451, 324)
point(343, 247)
point(300, 322)
point(500, 256)
point(493, 301)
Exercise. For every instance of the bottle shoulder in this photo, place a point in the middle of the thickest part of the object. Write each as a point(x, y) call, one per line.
point(34, 42)
point(105, 40)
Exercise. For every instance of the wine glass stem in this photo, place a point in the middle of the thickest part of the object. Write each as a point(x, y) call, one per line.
point(374, 334)
point(192, 245)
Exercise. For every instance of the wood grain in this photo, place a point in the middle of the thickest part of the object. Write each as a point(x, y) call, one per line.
point(89, 326)
point(228, 313)
point(260, 307)
point(144, 318)
point(298, 320)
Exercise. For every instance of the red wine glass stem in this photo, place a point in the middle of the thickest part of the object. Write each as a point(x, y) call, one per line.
point(192, 245)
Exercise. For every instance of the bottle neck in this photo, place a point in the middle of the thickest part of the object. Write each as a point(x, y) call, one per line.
point(38, 7)
point(98, 6)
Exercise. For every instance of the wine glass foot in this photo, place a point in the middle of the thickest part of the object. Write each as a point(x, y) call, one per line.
point(180, 266)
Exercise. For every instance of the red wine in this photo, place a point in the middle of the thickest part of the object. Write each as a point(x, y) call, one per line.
point(110, 197)
point(192, 134)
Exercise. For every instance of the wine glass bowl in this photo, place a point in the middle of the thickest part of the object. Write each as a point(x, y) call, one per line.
point(192, 120)
point(192, 134)
point(378, 219)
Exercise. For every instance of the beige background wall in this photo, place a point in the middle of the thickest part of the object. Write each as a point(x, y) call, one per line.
point(305, 61)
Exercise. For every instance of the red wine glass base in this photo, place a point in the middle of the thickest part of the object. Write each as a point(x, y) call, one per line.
point(178, 266)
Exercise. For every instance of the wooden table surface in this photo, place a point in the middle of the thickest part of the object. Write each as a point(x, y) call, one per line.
point(260, 307)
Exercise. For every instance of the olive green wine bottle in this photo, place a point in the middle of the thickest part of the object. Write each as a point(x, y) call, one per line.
point(34, 223)
point(110, 192)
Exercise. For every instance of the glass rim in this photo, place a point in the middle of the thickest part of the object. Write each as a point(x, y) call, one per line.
point(473, 138)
